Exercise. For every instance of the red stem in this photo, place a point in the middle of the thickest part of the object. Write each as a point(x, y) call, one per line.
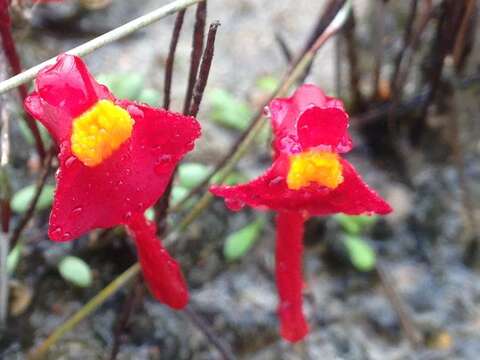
point(162, 273)
point(10, 51)
point(288, 272)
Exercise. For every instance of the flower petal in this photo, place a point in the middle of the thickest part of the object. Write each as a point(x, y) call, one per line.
point(327, 127)
point(270, 191)
point(64, 91)
point(285, 113)
point(161, 271)
point(128, 182)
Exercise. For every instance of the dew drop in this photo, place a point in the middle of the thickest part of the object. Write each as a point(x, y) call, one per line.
point(275, 181)
point(57, 233)
point(165, 158)
point(69, 162)
point(127, 216)
point(234, 205)
point(77, 211)
point(67, 236)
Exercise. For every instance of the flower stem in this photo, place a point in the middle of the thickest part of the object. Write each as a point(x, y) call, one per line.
point(288, 273)
point(161, 271)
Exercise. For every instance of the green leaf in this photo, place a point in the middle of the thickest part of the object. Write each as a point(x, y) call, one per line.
point(354, 225)
point(268, 83)
point(22, 198)
point(13, 258)
point(76, 271)
point(229, 112)
point(361, 254)
point(150, 96)
point(178, 194)
point(192, 174)
point(238, 243)
point(150, 214)
point(124, 86)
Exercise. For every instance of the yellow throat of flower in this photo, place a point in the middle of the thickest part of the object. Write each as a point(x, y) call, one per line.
point(320, 167)
point(98, 132)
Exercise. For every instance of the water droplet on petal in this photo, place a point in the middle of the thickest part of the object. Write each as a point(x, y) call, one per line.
point(127, 216)
point(57, 233)
point(69, 162)
point(275, 181)
point(165, 158)
point(67, 236)
point(77, 211)
point(234, 205)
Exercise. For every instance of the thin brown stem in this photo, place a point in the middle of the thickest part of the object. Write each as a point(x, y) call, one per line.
point(395, 300)
point(205, 329)
point(17, 232)
point(352, 60)
point(379, 33)
point(197, 49)
point(201, 82)
point(10, 51)
point(177, 28)
point(284, 48)
point(131, 302)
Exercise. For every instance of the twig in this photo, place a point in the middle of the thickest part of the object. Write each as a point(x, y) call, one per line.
point(5, 195)
point(290, 78)
point(204, 71)
point(445, 33)
point(177, 28)
point(9, 48)
point(87, 309)
point(206, 330)
point(337, 67)
point(459, 48)
point(17, 232)
point(379, 32)
point(397, 303)
point(406, 41)
point(196, 54)
point(132, 300)
point(284, 48)
point(328, 12)
point(161, 206)
point(352, 59)
point(102, 40)
point(405, 59)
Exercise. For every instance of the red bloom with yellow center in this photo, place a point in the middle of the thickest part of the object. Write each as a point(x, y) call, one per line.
point(308, 177)
point(116, 158)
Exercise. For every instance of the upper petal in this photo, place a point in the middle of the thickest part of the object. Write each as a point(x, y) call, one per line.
point(285, 113)
point(325, 128)
point(128, 182)
point(64, 91)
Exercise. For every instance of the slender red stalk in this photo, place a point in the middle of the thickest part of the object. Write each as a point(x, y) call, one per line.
point(8, 45)
point(288, 272)
point(160, 270)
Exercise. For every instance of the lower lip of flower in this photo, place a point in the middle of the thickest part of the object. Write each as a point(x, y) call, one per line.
point(99, 131)
point(320, 167)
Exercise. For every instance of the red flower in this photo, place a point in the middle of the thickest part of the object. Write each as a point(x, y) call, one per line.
point(116, 158)
point(308, 177)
